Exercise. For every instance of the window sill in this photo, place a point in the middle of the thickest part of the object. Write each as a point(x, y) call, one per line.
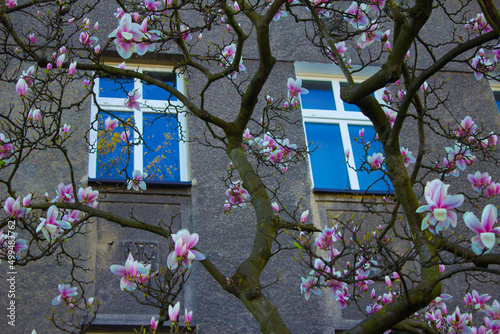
point(150, 185)
point(351, 192)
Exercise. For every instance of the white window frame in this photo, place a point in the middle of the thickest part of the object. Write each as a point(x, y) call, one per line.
point(331, 73)
point(117, 104)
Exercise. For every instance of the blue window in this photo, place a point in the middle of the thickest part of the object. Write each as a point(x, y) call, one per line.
point(338, 158)
point(153, 133)
point(497, 99)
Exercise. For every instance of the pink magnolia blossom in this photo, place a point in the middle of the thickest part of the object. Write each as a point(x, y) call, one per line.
point(126, 36)
point(343, 298)
point(64, 131)
point(493, 311)
point(72, 69)
point(19, 244)
point(64, 193)
point(10, 3)
point(493, 189)
point(327, 238)
point(475, 300)
point(295, 88)
point(458, 322)
point(153, 325)
point(228, 53)
point(131, 101)
point(440, 205)
point(119, 13)
point(486, 235)
point(304, 216)
point(460, 155)
point(308, 285)
point(279, 14)
point(376, 160)
point(173, 312)
point(467, 127)
point(356, 15)
point(132, 273)
point(152, 5)
point(110, 124)
point(60, 60)
point(65, 293)
point(125, 136)
point(407, 157)
point(5, 147)
point(14, 208)
point(21, 87)
point(391, 116)
point(51, 226)
point(188, 316)
point(376, 6)
point(32, 38)
point(137, 181)
point(275, 207)
point(34, 115)
point(183, 252)
point(88, 196)
point(237, 194)
point(479, 181)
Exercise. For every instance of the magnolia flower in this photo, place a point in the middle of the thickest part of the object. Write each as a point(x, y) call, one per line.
point(304, 216)
point(275, 207)
point(13, 207)
point(72, 69)
point(126, 35)
point(173, 312)
point(493, 189)
point(21, 87)
point(131, 101)
point(308, 285)
point(440, 205)
point(188, 317)
point(376, 160)
point(407, 156)
point(295, 88)
point(51, 226)
point(479, 181)
point(65, 293)
point(110, 124)
point(124, 136)
point(183, 253)
point(132, 273)
point(486, 235)
point(137, 181)
point(60, 60)
point(153, 325)
point(34, 115)
point(356, 15)
point(88, 196)
point(10, 4)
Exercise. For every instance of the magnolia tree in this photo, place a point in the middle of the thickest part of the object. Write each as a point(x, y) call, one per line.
point(51, 47)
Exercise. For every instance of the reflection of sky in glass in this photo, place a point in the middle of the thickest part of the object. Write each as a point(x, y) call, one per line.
point(113, 155)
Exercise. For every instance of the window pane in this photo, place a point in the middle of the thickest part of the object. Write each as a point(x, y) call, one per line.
point(113, 155)
point(161, 147)
point(115, 87)
point(328, 162)
point(366, 179)
point(152, 92)
point(497, 99)
point(320, 95)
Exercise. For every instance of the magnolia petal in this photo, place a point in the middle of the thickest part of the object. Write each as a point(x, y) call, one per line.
point(489, 217)
point(440, 214)
point(452, 202)
point(473, 223)
point(425, 222)
point(488, 239)
point(118, 270)
point(198, 256)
